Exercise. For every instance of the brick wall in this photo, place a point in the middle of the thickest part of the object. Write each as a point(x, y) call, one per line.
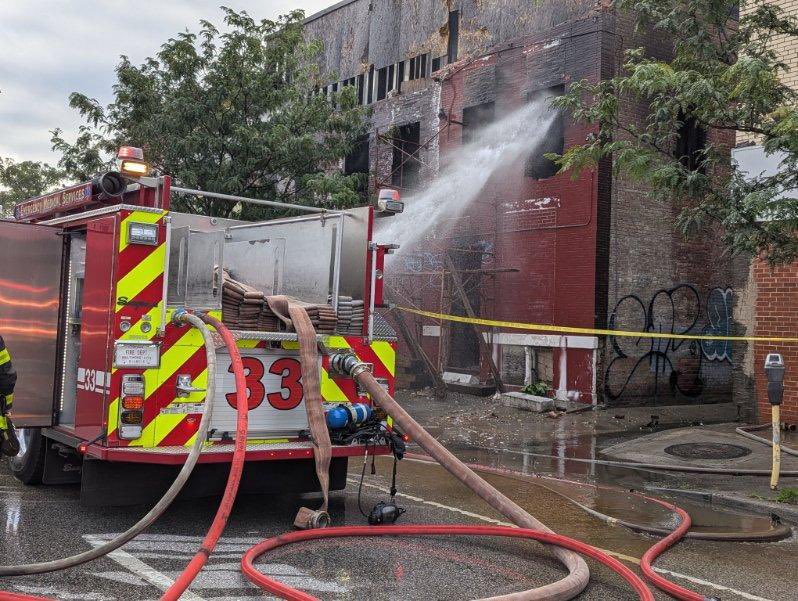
point(770, 307)
point(777, 316)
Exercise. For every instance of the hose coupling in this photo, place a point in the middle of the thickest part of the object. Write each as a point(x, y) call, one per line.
point(349, 364)
point(308, 519)
point(179, 317)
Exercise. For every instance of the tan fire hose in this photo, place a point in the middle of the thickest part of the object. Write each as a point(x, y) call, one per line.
point(296, 317)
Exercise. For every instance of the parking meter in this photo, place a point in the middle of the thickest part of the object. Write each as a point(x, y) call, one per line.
point(774, 370)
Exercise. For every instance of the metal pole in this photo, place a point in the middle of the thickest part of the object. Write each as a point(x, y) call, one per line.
point(256, 201)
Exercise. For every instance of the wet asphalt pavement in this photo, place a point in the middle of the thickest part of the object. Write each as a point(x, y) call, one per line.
point(48, 522)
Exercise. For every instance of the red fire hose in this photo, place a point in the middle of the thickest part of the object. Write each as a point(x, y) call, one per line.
point(236, 468)
point(648, 558)
point(291, 594)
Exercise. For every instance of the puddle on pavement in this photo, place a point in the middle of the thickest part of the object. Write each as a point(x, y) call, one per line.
point(616, 503)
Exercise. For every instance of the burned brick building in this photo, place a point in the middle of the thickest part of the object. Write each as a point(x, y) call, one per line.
point(534, 246)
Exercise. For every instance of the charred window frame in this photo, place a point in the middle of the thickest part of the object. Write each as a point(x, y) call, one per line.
point(405, 166)
point(537, 165)
point(476, 118)
point(691, 142)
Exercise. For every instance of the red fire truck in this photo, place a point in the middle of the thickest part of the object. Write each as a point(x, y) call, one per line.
point(110, 392)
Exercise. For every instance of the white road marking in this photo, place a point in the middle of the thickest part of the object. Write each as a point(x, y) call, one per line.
point(138, 567)
point(628, 558)
point(219, 574)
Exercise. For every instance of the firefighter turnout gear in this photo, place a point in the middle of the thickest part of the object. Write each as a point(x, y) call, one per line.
point(9, 445)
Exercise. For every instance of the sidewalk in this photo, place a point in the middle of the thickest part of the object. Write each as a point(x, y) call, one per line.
point(482, 430)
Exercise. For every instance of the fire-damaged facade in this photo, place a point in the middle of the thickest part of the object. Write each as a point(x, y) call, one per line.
point(595, 251)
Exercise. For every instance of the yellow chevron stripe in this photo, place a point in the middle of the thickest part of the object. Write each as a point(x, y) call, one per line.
point(5, 356)
point(135, 333)
point(136, 217)
point(113, 415)
point(336, 342)
point(330, 391)
point(141, 275)
point(386, 353)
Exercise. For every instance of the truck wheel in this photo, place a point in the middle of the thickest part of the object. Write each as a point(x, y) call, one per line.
point(28, 465)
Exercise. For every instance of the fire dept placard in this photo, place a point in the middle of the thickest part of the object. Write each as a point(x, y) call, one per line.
point(276, 398)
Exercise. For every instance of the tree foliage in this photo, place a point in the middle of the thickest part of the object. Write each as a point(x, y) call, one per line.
point(724, 75)
point(232, 112)
point(24, 180)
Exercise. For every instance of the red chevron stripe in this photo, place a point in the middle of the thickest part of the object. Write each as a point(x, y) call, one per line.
point(365, 352)
point(182, 433)
point(144, 301)
point(134, 254)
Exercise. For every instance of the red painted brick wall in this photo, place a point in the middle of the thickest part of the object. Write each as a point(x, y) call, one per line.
point(776, 314)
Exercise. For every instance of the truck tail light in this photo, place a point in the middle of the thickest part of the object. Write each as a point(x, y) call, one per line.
point(131, 407)
point(135, 403)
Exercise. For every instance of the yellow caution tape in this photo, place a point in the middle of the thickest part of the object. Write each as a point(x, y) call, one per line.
point(590, 331)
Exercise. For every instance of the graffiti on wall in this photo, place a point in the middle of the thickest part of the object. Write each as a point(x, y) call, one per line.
point(677, 364)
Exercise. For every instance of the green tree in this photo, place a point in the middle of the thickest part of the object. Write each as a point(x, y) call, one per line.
point(24, 180)
point(724, 75)
point(234, 112)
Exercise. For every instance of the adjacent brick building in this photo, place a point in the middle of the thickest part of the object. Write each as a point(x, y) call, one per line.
point(534, 246)
point(771, 297)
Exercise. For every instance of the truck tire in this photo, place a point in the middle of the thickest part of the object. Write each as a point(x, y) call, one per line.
point(28, 465)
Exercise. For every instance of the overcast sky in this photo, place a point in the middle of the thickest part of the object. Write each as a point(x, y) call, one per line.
point(50, 48)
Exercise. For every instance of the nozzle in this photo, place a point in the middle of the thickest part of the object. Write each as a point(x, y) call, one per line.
point(308, 519)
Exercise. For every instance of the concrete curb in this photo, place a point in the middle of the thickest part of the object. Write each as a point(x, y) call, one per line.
point(787, 513)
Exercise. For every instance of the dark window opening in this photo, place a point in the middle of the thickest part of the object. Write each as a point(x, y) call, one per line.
point(400, 75)
point(334, 88)
point(357, 162)
point(454, 36)
point(553, 141)
point(405, 166)
point(691, 142)
point(418, 67)
point(475, 118)
point(382, 83)
point(439, 63)
point(391, 76)
point(360, 83)
point(464, 350)
point(371, 85)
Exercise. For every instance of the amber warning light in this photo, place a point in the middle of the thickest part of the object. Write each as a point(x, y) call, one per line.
point(132, 163)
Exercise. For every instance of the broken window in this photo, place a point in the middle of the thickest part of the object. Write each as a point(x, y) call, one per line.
point(357, 162)
point(454, 36)
point(405, 167)
point(475, 118)
point(382, 83)
point(537, 165)
point(691, 141)
point(400, 76)
point(418, 67)
point(437, 63)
